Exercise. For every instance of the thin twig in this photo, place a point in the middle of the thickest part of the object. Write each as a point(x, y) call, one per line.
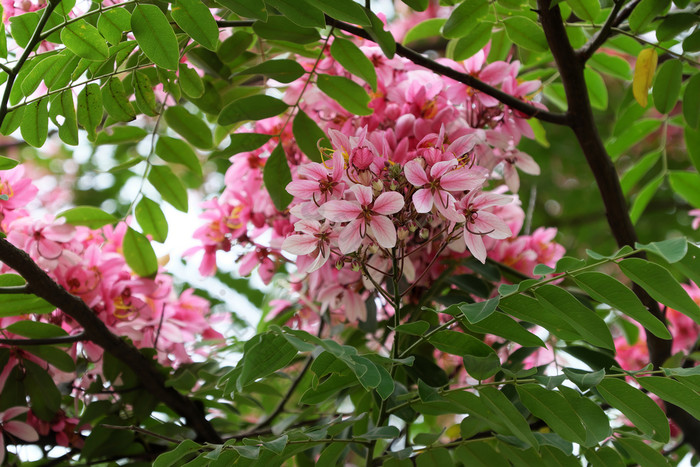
point(144, 431)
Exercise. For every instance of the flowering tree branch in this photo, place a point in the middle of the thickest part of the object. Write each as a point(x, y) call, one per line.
point(95, 330)
point(571, 66)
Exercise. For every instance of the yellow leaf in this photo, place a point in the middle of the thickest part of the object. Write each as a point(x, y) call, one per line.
point(644, 71)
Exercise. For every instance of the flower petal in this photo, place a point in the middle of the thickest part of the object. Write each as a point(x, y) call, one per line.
point(21, 430)
point(462, 179)
point(476, 245)
point(350, 238)
point(423, 200)
point(441, 168)
point(384, 231)
point(388, 203)
point(303, 189)
point(300, 244)
point(362, 193)
point(415, 174)
point(340, 211)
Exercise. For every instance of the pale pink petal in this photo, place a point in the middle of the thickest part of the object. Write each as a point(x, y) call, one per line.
point(512, 177)
point(488, 199)
point(355, 308)
point(13, 412)
point(350, 238)
point(300, 244)
point(308, 226)
point(303, 189)
point(462, 179)
point(49, 249)
point(476, 245)
point(313, 171)
point(384, 231)
point(338, 165)
point(362, 193)
point(423, 200)
point(388, 203)
point(320, 260)
point(440, 168)
point(415, 174)
point(465, 143)
point(340, 211)
point(495, 73)
point(21, 430)
point(527, 164)
point(491, 225)
point(446, 206)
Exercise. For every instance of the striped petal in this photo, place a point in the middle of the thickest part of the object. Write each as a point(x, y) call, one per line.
point(415, 174)
point(350, 238)
point(388, 203)
point(384, 231)
point(423, 200)
point(300, 244)
point(340, 211)
point(462, 179)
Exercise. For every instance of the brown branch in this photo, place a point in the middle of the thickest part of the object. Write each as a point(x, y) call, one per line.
point(571, 66)
point(606, 31)
point(151, 379)
point(46, 340)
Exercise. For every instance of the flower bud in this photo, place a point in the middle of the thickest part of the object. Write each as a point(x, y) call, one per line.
point(393, 185)
point(339, 264)
point(377, 186)
point(373, 248)
point(355, 265)
point(424, 233)
point(402, 233)
point(361, 158)
point(412, 226)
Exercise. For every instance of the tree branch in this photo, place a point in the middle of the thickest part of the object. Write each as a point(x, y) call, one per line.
point(606, 31)
point(571, 66)
point(46, 288)
point(46, 340)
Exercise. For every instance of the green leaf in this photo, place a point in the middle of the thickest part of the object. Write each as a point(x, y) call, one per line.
point(151, 219)
point(480, 360)
point(309, 137)
point(607, 289)
point(686, 184)
point(22, 27)
point(155, 36)
point(425, 29)
point(300, 12)
point(674, 392)
point(672, 250)
point(6, 163)
point(690, 265)
point(381, 36)
point(643, 454)
point(354, 60)
point(463, 18)
point(190, 82)
point(88, 216)
point(42, 391)
point(346, 92)
point(637, 172)
point(661, 285)
point(585, 9)
point(12, 121)
point(645, 12)
point(584, 379)
point(113, 23)
point(121, 135)
point(84, 40)
point(496, 401)
point(500, 324)
point(116, 102)
point(667, 85)
point(644, 197)
point(36, 75)
point(35, 123)
point(189, 126)
point(62, 104)
point(597, 90)
point(55, 356)
point(231, 48)
point(22, 304)
point(416, 328)
point(643, 412)
point(276, 177)
point(169, 186)
point(256, 107)
point(90, 109)
point(418, 5)
point(282, 70)
point(692, 42)
point(586, 321)
point(526, 33)
point(139, 254)
point(281, 29)
point(247, 8)
point(631, 136)
point(170, 458)
point(691, 102)
point(242, 142)
point(554, 410)
point(35, 329)
point(177, 151)
point(692, 145)
point(475, 312)
point(143, 91)
point(343, 10)
point(594, 419)
point(674, 24)
point(530, 310)
point(195, 18)
point(380, 432)
point(264, 354)
point(604, 456)
point(611, 64)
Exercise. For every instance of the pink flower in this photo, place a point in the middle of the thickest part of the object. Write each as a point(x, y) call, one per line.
point(523, 162)
point(14, 428)
point(15, 191)
point(480, 222)
point(435, 186)
point(319, 184)
point(364, 214)
point(696, 221)
point(314, 239)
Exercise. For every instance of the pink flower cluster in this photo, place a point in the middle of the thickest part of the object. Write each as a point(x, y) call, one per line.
point(89, 264)
point(420, 179)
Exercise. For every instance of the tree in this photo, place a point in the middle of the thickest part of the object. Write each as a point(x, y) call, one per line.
point(371, 174)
